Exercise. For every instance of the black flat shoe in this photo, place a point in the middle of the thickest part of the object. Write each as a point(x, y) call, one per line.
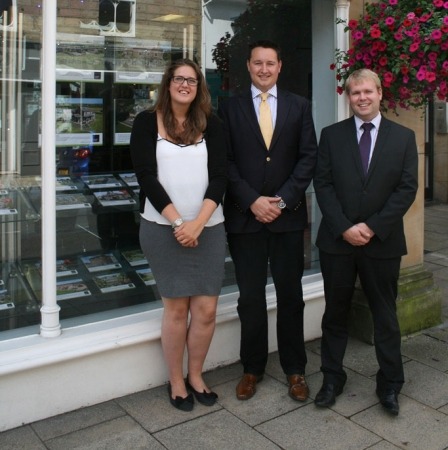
point(205, 398)
point(184, 404)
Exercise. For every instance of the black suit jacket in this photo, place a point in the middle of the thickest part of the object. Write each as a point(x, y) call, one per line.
point(380, 199)
point(286, 169)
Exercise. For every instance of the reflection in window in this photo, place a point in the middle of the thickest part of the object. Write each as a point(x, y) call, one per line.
point(115, 18)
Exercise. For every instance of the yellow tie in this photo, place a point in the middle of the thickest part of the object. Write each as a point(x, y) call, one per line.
point(265, 119)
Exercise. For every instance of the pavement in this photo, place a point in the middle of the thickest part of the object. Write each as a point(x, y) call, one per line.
point(271, 420)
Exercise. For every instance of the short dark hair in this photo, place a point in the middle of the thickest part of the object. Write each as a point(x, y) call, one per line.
point(264, 44)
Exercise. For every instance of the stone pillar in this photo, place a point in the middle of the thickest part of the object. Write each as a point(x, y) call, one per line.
point(419, 300)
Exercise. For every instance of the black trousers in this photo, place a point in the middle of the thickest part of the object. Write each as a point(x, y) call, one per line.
point(378, 279)
point(251, 254)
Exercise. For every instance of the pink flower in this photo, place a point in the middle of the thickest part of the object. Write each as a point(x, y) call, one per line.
point(375, 32)
point(415, 62)
point(421, 75)
point(398, 36)
point(383, 61)
point(436, 34)
point(382, 46)
point(410, 16)
point(357, 35)
point(445, 5)
point(405, 79)
point(432, 56)
point(432, 65)
point(445, 65)
point(388, 77)
point(445, 19)
point(413, 47)
point(430, 76)
point(352, 24)
point(393, 2)
point(332, 66)
point(425, 17)
point(389, 20)
point(438, 3)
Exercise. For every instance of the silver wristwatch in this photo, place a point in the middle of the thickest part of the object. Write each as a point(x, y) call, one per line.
point(281, 204)
point(177, 223)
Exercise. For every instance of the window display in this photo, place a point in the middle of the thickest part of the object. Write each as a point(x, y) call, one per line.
point(110, 56)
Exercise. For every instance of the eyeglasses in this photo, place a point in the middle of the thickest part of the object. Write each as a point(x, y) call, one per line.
point(180, 80)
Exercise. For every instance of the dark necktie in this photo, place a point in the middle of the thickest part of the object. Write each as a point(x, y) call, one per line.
point(364, 145)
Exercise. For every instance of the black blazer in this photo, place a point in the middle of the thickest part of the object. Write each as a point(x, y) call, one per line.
point(380, 199)
point(286, 169)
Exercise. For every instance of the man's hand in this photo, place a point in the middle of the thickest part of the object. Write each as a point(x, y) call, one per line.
point(358, 235)
point(265, 209)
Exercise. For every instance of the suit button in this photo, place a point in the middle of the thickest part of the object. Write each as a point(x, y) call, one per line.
point(268, 159)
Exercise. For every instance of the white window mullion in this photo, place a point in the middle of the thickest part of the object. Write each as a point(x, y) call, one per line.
point(342, 43)
point(50, 326)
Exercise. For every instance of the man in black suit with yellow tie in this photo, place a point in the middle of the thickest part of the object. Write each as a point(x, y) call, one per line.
point(363, 198)
point(272, 157)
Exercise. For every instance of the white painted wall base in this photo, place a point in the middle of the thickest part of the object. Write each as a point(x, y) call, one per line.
point(90, 364)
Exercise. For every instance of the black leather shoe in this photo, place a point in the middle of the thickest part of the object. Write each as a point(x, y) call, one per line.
point(206, 398)
point(327, 395)
point(389, 401)
point(184, 404)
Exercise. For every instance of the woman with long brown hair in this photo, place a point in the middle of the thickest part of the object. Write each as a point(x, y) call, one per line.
point(179, 156)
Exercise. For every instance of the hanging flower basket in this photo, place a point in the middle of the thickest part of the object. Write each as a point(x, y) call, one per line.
point(406, 43)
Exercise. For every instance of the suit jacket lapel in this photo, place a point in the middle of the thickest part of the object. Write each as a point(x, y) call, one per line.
point(380, 143)
point(247, 106)
point(351, 132)
point(283, 107)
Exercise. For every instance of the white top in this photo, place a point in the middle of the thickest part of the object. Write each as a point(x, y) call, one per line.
point(182, 171)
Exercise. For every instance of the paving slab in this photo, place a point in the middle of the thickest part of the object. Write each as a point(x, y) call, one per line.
point(358, 394)
point(223, 374)
point(425, 384)
point(270, 400)
point(121, 433)
point(153, 410)
point(77, 420)
point(310, 428)
point(383, 445)
point(361, 358)
point(21, 438)
point(427, 350)
point(444, 409)
point(274, 369)
point(417, 427)
point(218, 431)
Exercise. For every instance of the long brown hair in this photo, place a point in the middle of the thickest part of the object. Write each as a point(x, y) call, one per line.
point(198, 112)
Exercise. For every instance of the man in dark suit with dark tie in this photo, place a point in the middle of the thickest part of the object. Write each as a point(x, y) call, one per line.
point(363, 198)
point(271, 164)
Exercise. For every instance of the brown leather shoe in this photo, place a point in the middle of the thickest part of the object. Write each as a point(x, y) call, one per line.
point(298, 388)
point(247, 386)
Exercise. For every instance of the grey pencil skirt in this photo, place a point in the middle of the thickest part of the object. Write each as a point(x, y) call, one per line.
point(181, 271)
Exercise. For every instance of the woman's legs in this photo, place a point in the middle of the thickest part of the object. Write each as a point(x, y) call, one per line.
point(199, 337)
point(174, 338)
